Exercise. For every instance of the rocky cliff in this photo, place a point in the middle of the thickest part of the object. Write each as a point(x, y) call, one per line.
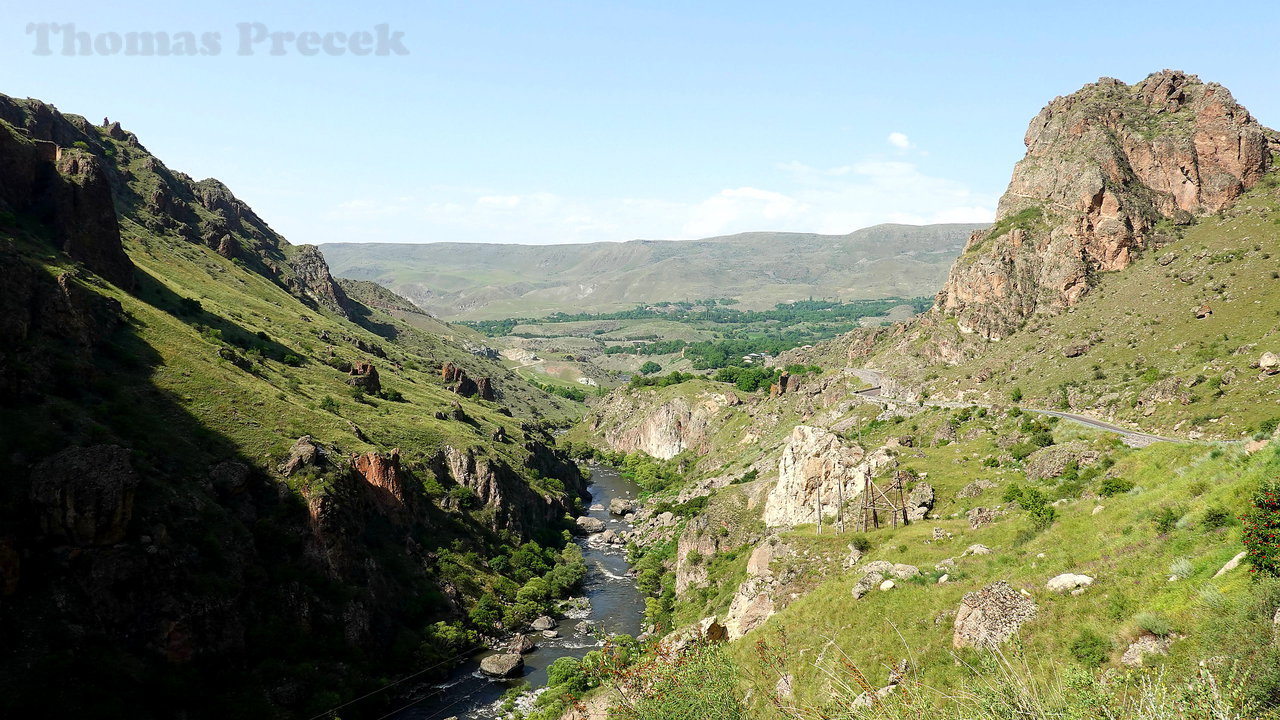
point(817, 472)
point(1108, 169)
point(225, 488)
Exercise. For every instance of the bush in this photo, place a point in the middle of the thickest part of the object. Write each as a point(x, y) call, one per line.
point(1090, 648)
point(1262, 530)
point(1216, 516)
point(1166, 520)
point(860, 543)
point(328, 404)
point(650, 367)
point(1016, 395)
point(1115, 486)
point(1154, 623)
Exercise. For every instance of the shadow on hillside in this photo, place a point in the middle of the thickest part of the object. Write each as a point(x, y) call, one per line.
point(189, 310)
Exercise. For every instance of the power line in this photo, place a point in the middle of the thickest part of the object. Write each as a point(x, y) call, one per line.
point(455, 658)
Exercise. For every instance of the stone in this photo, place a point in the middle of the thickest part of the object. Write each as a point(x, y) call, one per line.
point(1067, 582)
point(887, 585)
point(1075, 351)
point(869, 582)
point(502, 665)
point(784, 689)
point(1144, 646)
point(1052, 461)
point(977, 549)
point(545, 622)
point(989, 616)
point(904, 572)
point(1269, 363)
point(621, 506)
point(943, 578)
point(981, 516)
point(920, 501)
point(752, 605)
point(589, 525)
point(1232, 564)
point(303, 454)
point(522, 644)
point(550, 634)
point(1204, 311)
point(975, 488)
point(84, 495)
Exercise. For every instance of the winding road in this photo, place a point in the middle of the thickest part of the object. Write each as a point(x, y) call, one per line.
point(1131, 438)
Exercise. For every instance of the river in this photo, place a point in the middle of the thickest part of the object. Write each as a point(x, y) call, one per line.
point(616, 607)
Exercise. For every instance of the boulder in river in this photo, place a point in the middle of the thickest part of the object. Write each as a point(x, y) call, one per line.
point(522, 644)
point(546, 622)
point(621, 506)
point(503, 665)
point(590, 525)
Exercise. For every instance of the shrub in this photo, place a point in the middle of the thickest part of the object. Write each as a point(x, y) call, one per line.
point(860, 543)
point(328, 404)
point(1115, 486)
point(650, 367)
point(1016, 394)
point(1166, 519)
point(1154, 623)
point(1216, 516)
point(1262, 530)
point(1090, 648)
point(292, 360)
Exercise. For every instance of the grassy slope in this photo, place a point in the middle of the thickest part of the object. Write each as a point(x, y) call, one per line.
point(160, 385)
point(1119, 546)
point(1142, 326)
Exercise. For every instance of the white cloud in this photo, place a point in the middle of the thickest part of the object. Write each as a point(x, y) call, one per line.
point(793, 197)
point(900, 141)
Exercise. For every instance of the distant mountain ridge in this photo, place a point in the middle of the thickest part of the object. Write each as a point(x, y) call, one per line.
point(477, 281)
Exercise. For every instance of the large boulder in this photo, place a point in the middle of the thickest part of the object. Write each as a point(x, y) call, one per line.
point(305, 453)
point(1052, 461)
point(920, 502)
point(815, 473)
point(621, 506)
point(589, 525)
point(1269, 363)
point(989, 616)
point(502, 665)
point(1067, 582)
point(84, 495)
point(546, 622)
point(365, 376)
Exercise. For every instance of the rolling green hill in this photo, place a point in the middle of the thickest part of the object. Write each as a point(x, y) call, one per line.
point(483, 281)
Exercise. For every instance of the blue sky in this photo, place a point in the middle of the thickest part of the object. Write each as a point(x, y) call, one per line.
point(553, 121)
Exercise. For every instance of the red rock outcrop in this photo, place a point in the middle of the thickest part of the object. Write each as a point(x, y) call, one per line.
point(365, 376)
point(382, 474)
point(1103, 167)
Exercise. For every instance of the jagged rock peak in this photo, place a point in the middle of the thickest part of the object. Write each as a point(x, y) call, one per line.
point(1104, 166)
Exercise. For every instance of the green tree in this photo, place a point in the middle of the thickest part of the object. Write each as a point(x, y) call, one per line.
point(650, 367)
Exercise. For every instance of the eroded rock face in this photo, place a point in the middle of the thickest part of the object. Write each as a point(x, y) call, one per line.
point(382, 475)
point(989, 616)
point(672, 428)
point(751, 607)
point(311, 281)
point(1103, 166)
point(85, 495)
point(816, 471)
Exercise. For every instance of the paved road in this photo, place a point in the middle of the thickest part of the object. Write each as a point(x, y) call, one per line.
point(1132, 438)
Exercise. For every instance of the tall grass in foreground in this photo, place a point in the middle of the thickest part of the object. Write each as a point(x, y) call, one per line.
point(1009, 688)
